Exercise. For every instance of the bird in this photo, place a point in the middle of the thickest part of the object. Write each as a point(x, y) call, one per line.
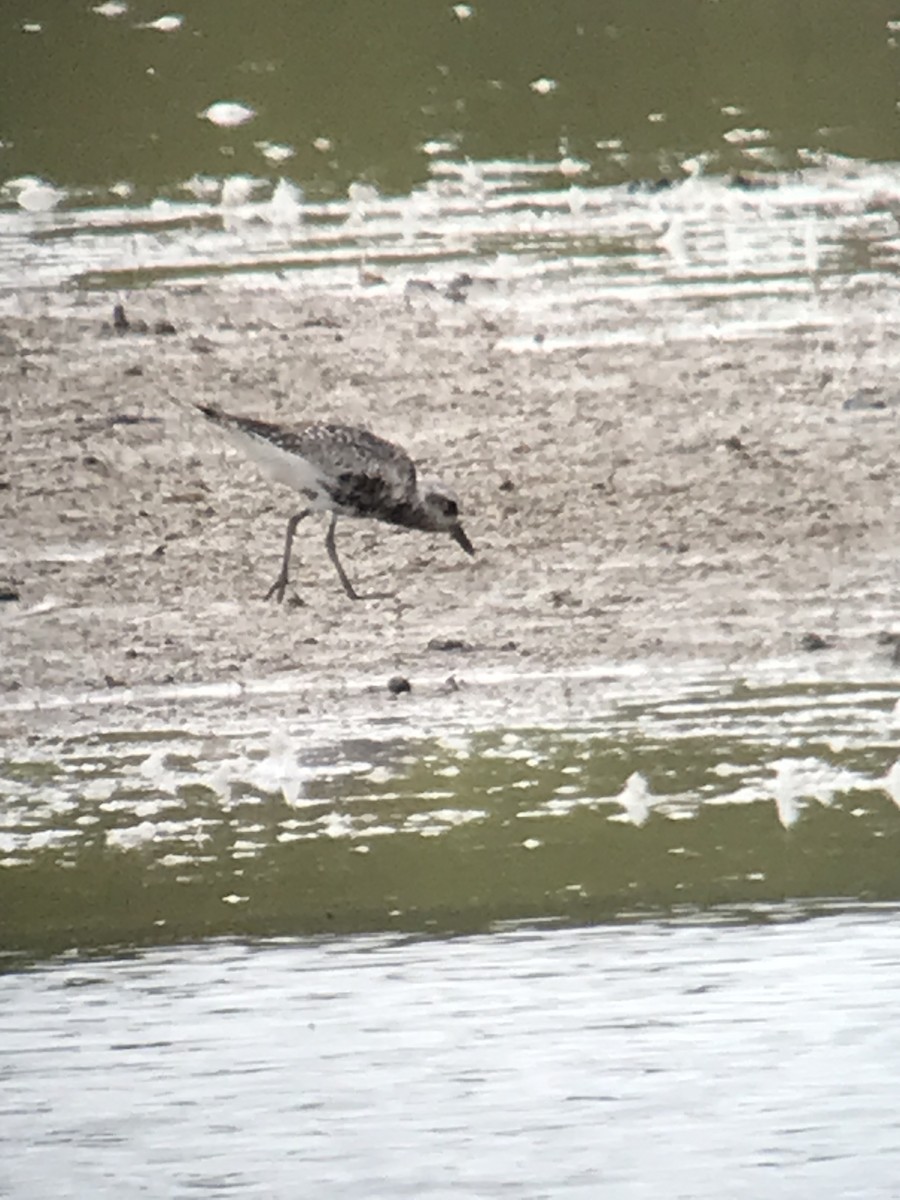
point(345, 470)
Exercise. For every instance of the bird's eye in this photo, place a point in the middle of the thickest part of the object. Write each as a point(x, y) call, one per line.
point(451, 508)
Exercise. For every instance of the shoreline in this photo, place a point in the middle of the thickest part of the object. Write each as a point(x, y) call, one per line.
point(652, 503)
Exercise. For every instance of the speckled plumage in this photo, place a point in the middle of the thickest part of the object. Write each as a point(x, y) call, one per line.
point(345, 470)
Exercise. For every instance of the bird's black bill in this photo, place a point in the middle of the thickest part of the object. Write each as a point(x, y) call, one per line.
point(458, 534)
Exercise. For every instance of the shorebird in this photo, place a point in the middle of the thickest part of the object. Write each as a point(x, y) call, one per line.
point(346, 471)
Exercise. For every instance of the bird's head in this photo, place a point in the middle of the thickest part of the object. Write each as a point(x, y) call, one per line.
point(440, 508)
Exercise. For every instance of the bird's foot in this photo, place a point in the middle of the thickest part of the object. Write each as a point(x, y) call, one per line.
point(277, 589)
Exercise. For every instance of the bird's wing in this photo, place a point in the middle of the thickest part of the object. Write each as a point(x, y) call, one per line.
point(345, 451)
point(356, 468)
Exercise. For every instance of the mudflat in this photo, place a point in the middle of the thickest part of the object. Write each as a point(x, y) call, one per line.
point(654, 500)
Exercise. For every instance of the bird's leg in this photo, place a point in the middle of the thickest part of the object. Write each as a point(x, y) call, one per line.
point(348, 586)
point(278, 587)
point(332, 554)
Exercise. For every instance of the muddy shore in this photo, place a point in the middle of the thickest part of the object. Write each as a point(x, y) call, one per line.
point(663, 502)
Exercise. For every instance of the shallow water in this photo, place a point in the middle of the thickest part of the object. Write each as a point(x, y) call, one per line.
point(655, 1059)
point(635, 794)
point(225, 917)
point(560, 169)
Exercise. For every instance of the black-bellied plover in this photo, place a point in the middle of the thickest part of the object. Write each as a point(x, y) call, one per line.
point(346, 471)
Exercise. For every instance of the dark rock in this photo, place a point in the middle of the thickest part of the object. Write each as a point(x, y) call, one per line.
point(458, 287)
point(449, 644)
point(112, 682)
point(321, 323)
point(868, 398)
point(507, 486)
point(121, 324)
point(564, 598)
point(132, 419)
point(650, 186)
point(507, 646)
point(137, 369)
point(8, 594)
point(397, 684)
point(813, 641)
point(750, 183)
point(165, 328)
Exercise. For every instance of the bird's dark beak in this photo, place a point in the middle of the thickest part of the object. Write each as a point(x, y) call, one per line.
point(458, 534)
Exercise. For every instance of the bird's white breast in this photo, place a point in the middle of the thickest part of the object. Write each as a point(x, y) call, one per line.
point(280, 466)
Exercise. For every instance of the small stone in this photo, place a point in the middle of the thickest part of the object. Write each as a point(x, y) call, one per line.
point(507, 486)
point(132, 419)
point(868, 398)
point(137, 369)
point(112, 682)
point(449, 644)
point(159, 552)
point(458, 288)
point(121, 324)
point(8, 594)
point(164, 327)
point(321, 322)
point(397, 684)
point(813, 641)
point(564, 598)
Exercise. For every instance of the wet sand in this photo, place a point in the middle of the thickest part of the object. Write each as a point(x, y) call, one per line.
point(665, 502)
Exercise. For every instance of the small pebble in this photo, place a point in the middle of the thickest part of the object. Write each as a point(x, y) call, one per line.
point(398, 684)
point(448, 644)
point(813, 641)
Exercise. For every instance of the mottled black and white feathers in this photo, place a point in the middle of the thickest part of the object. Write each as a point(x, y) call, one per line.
point(347, 471)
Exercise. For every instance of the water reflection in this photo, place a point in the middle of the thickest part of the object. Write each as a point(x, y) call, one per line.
point(528, 1063)
point(565, 161)
point(705, 795)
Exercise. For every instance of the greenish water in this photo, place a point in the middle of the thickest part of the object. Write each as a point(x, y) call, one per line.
point(563, 952)
point(709, 795)
point(91, 100)
point(683, 167)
